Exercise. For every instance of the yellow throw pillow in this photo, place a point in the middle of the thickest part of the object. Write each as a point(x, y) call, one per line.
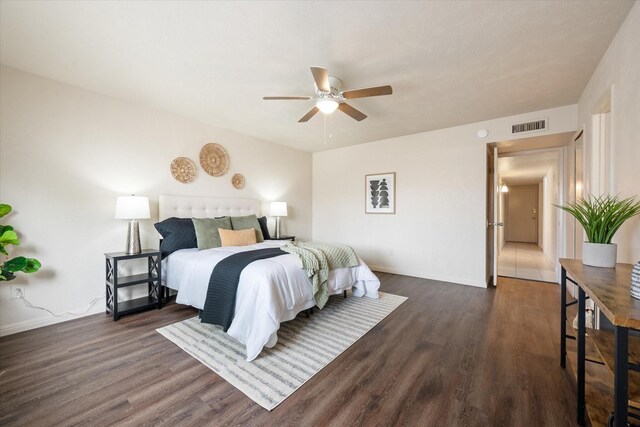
point(237, 237)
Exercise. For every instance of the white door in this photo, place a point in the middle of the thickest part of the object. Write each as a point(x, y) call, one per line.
point(522, 216)
point(496, 216)
point(492, 216)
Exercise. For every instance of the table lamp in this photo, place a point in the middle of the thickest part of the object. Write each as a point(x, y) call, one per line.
point(132, 208)
point(278, 209)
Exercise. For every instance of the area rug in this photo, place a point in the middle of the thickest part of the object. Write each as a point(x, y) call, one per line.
point(305, 346)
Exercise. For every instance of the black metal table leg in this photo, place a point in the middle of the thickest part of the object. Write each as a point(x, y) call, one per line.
point(621, 380)
point(563, 319)
point(581, 355)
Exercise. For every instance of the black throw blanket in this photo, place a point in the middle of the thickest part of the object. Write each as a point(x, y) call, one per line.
point(219, 307)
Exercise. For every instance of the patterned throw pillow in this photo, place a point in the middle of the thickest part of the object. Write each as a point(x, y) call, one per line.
point(177, 233)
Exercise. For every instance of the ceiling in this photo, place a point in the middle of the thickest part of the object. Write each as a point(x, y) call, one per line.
point(449, 63)
point(526, 169)
point(527, 160)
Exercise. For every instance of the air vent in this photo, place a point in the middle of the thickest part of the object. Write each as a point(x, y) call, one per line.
point(535, 126)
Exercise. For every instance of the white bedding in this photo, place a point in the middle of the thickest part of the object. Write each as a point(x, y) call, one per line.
point(270, 291)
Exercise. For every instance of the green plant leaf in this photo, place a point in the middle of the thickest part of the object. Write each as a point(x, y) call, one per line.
point(15, 264)
point(602, 216)
point(5, 276)
point(4, 209)
point(9, 237)
point(33, 265)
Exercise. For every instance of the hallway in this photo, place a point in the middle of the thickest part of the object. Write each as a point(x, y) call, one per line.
point(525, 261)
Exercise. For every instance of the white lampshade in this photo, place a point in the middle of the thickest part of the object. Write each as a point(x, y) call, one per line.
point(132, 207)
point(327, 105)
point(278, 209)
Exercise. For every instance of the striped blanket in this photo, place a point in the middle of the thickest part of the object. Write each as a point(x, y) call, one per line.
point(317, 259)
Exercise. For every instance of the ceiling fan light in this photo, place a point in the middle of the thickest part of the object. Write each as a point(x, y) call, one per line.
point(327, 105)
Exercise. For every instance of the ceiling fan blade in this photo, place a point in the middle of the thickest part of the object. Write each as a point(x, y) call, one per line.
point(350, 111)
point(366, 92)
point(276, 98)
point(321, 76)
point(310, 114)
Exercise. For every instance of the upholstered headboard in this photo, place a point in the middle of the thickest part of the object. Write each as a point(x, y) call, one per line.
point(205, 207)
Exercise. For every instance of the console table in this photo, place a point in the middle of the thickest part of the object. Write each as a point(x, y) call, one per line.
point(609, 289)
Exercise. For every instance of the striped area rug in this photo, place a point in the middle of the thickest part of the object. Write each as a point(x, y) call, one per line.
point(304, 347)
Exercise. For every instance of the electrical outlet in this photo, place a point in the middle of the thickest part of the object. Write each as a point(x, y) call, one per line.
point(16, 291)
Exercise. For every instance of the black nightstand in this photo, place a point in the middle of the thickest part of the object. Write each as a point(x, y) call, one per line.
point(292, 238)
point(152, 278)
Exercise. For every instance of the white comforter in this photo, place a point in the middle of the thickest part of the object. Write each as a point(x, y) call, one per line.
point(270, 291)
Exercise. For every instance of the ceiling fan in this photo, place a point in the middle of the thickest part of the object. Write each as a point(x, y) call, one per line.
point(330, 96)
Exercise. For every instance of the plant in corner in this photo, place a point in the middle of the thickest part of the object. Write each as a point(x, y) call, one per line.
point(11, 266)
point(601, 217)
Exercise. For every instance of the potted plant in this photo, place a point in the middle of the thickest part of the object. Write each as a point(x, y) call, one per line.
point(14, 265)
point(601, 217)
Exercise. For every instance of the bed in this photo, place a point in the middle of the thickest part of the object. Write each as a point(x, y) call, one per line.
point(270, 291)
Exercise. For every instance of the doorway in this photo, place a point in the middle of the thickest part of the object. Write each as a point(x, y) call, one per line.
point(530, 178)
point(521, 209)
point(526, 261)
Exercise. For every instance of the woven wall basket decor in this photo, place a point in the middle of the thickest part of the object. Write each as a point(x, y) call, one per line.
point(238, 181)
point(183, 170)
point(214, 159)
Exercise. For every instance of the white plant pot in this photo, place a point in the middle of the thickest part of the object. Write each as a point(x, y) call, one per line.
point(599, 254)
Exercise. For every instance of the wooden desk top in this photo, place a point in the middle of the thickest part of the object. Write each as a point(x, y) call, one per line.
point(609, 288)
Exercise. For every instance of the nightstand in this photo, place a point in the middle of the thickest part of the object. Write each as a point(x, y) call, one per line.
point(292, 238)
point(152, 278)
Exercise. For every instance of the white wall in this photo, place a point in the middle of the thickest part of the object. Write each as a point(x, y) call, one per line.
point(550, 196)
point(67, 153)
point(620, 67)
point(540, 213)
point(439, 229)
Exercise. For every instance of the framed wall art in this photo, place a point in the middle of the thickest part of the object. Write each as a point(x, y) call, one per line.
point(380, 193)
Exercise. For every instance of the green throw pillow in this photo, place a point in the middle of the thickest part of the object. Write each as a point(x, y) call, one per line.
point(244, 222)
point(207, 231)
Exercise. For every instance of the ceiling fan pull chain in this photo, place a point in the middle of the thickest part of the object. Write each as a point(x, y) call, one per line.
point(330, 127)
point(325, 129)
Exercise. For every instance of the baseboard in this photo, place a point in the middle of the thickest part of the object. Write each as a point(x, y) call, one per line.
point(451, 279)
point(26, 325)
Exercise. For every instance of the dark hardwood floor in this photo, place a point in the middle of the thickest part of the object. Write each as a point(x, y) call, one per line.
point(451, 355)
